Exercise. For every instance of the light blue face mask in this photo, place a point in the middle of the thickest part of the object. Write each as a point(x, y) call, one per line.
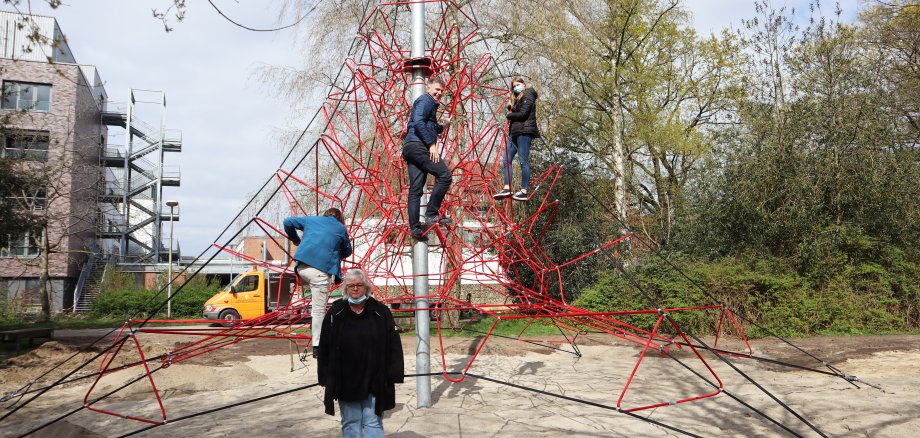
point(357, 300)
point(518, 89)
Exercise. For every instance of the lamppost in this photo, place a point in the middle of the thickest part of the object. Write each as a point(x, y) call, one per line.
point(169, 279)
point(420, 249)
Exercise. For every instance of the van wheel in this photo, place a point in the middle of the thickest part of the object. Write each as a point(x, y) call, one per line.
point(230, 317)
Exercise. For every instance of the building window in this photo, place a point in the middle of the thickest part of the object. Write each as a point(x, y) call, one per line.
point(26, 96)
point(34, 202)
point(37, 201)
point(21, 246)
point(28, 145)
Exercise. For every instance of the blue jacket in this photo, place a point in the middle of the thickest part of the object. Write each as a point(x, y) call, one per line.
point(423, 121)
point(324, 244)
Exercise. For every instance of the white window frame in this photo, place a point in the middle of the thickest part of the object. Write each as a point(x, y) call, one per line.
point(37, 202)
point(22, 140)
point(24, 249)
point(16, 94)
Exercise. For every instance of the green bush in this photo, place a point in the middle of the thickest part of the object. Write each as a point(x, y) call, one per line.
point(189, 301)
point(769, 292)
point(121, 297)
point(10, 313)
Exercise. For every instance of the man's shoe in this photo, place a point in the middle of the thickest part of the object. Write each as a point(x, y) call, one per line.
point(521, 195)
point(315, 352)
point(419, 234)
point(501, 195)
point(440, 220)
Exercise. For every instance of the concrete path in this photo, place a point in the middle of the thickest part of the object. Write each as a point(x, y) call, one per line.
point(479, 408)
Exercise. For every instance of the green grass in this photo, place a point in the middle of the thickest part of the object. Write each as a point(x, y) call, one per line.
point(508, 328)
point(66, 321)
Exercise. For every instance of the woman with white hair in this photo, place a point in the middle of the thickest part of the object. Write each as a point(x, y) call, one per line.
point(360, 358)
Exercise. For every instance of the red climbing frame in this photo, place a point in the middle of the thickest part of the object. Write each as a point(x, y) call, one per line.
point(357, 167)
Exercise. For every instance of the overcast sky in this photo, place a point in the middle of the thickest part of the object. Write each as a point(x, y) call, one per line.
point(205, 66)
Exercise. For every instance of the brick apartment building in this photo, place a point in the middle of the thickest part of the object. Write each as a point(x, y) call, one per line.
point(50, 116)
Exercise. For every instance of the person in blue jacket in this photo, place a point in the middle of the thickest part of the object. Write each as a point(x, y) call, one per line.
point(423, 157)
point(319, 253)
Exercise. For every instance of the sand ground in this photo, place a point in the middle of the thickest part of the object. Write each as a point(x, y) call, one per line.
point(477, 407)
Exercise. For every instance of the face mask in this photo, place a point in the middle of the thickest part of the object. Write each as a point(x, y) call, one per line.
point(357, 300)
point(518, 89)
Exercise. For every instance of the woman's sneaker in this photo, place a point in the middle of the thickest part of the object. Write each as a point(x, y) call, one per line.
point(520, 195)
point(501, 195)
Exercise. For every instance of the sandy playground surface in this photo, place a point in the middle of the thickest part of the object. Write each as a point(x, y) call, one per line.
point(478, 407)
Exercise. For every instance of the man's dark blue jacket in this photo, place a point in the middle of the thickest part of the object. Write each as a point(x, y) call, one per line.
point(423, 121)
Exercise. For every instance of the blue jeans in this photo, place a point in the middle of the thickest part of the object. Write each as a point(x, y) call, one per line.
point(518, 145)
point(359, 416)
point(420, 166)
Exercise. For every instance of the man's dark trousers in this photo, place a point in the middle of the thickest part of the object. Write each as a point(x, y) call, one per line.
point(417, 157)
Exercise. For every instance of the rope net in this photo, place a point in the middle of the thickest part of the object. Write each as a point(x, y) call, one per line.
point(490, 263)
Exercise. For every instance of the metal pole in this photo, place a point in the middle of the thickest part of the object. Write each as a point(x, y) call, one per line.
point(420, 250)
point(172, 219)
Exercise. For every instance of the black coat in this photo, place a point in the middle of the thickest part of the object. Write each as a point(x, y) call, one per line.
point(387, 355)
point(523, 116)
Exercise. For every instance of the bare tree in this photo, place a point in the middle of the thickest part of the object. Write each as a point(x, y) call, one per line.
point(60, 200)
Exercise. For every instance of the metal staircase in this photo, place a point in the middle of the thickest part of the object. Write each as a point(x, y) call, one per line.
point(90, 289)
point(131, 198)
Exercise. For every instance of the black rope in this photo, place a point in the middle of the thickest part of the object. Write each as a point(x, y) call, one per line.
point(456, 373)
point(587, 402)
point(21, 393)
point(231, 405)
point(300, 388)
point(48, 423)
point(676, 324)
point(222, 14)
point(571, 342)
point(58, 382)
point(287, 176)
point(74, 411)
point(739, 400)
point(757, 358)
point(706, 292)
point(564, 397)
point(576, 352)
point(139, 377)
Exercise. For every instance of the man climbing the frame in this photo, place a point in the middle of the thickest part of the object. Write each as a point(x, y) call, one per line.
point(319, 253)
point(422, 153)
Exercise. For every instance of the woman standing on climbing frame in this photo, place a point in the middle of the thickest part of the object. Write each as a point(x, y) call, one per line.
point(522, 130)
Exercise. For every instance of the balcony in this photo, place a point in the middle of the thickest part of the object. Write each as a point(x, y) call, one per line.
point(110, 227)
point(171, 176)
point(114, 113)
point(112, 156)
point(111, 191)
point(169, 214)
point(172, 140)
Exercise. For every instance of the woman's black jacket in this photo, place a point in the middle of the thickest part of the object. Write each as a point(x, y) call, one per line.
point(387, 355)
point(523, 116)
